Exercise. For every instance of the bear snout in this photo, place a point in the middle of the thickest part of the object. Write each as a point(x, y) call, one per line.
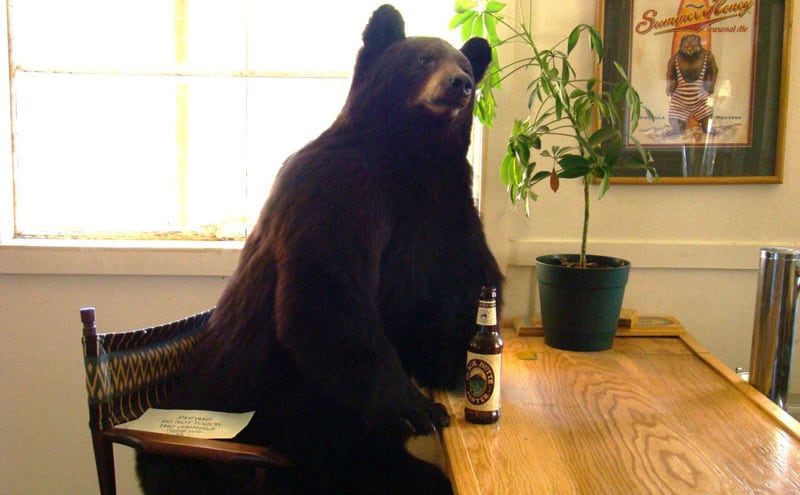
point(447, 93)
point(460, 85)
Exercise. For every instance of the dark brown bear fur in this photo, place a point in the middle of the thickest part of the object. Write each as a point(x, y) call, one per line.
point(363, 271)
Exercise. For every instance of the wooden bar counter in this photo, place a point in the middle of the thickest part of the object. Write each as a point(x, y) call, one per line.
point(656, 414)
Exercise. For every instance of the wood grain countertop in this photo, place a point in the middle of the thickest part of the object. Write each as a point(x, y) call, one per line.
point(656, 414)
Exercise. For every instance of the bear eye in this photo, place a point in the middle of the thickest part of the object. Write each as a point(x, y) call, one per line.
point(426, 60)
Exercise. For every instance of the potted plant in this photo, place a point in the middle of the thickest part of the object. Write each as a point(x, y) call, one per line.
point(594, 118)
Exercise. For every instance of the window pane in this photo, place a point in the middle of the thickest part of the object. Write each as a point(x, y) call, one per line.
point(327, 36)
point(285, 114)
point(214, 168)
point(173, 116)
point(310, 52)
point(124, 36)
point(101, 152)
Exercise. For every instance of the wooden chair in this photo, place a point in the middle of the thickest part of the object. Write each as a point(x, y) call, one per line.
point(129, 372)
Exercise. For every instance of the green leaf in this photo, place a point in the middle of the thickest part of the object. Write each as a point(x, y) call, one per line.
point(631, 163)
point(522, 154)
point(494, 7)
point(574, 173)
point(619, 92)
point(467, 27)
point(529, 172)
point(477, 27)
point(491, 31)
point(590, 86)
point(464, 5)
point(540, 176)
point(596, 43)
point(573, 162)
point(577, 93)
point(485, 107)
point(601, 135)
point(532, 99)
point(516, 173)
point(634, 104)
point(572, 41)
point(506, 169)
point(613, 149)
point(620, 70)
point(518, 127)
point(643, 153)
point(494, 79)
point(542, 92)
point(579, 106)
point(649, 114)
point(461, 18)
point(605, 184)
point(523, 139)
point(599, 172)
point(512, 194)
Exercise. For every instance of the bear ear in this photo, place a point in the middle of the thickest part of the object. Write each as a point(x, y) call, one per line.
point(479, 54)
point(385, 27)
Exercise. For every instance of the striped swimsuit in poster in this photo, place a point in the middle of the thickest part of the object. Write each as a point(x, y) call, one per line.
point(690, 98)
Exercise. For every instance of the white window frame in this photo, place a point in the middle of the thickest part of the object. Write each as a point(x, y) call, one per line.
point(89, 257)
point(6, 178)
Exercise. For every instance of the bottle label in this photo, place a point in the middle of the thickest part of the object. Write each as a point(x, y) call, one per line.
point(487, 313)
point(483, 381)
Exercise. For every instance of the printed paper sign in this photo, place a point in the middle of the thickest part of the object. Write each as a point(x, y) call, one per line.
point(191, 423)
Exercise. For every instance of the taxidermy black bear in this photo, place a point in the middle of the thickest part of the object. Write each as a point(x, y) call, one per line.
point(361, 274)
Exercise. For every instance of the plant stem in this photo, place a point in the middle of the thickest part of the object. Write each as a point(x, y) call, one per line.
point(586, 180)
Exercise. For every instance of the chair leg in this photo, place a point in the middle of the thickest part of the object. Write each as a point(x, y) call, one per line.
point(104, 458)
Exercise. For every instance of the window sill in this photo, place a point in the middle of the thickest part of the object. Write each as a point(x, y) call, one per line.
point(152, 258)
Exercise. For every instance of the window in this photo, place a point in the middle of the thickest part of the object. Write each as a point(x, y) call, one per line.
point(169, 119)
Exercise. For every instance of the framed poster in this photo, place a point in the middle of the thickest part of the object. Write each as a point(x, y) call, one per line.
point(712, 72)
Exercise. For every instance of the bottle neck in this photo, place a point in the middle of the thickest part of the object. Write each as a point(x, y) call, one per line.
point(487, 314)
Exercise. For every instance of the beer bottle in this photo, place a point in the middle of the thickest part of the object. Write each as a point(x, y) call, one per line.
point(484, 354)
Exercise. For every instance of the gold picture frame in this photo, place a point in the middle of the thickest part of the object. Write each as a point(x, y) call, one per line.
point(725, 119)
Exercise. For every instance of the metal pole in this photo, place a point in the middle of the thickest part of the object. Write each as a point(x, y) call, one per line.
point(775, 321)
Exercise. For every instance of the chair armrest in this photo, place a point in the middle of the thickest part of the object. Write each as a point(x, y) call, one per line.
point(198, 448)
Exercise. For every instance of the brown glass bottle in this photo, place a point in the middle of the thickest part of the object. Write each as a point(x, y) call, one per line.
point(484, 362)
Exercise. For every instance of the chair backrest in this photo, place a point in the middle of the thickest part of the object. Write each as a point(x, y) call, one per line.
point(129, 372)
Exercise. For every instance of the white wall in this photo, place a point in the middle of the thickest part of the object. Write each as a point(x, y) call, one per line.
point(44, 437)
point(694, 250)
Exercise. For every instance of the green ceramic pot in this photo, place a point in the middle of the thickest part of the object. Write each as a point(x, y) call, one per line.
point(581, 307)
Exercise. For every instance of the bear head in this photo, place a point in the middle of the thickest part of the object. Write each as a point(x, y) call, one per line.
point(413, 81)
point(691, 46)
